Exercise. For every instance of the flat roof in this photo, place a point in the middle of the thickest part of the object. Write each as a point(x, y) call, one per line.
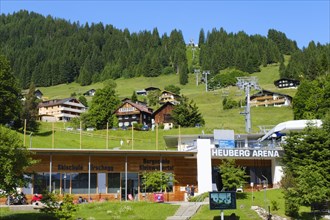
point(110, 152)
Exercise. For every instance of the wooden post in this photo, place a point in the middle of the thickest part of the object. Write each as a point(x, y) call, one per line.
point(107, 140)
point(24, 133)
point(53, 135)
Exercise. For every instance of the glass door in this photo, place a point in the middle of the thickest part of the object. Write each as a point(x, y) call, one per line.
point(132, 186)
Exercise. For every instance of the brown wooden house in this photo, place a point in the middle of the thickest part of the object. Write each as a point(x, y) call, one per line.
point(129, 113)
point(163, 115)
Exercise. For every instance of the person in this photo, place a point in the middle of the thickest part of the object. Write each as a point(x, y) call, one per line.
point(187, 192)
point(192, 190)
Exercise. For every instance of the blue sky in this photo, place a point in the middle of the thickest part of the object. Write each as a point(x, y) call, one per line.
point(302, 21)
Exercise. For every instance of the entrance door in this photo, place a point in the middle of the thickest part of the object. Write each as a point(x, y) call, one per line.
point(132, 186)
point(101, 183)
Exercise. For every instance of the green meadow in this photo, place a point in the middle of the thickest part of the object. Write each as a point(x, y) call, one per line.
point(209, 104)
point(149, 210)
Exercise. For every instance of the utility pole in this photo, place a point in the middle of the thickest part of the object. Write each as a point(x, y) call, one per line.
point(196, 71)
point(246, 83)
point(206, 72)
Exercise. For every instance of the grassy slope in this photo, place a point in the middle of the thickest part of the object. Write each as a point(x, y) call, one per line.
point(209, 103)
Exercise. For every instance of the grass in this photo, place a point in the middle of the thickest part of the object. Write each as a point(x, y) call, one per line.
point(244, 211)
point(209, 104)
point(148, 210)
point(105, 210)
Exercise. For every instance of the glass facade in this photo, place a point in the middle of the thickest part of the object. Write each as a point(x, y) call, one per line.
point(113, 182)
point(79, 183)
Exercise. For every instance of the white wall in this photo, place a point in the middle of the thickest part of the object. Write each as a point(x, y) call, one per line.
point(204, 165)
point(277, 172)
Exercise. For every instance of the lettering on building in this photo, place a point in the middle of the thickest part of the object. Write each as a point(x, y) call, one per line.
point(69, 167)
point(216, 152)
point(155, 165)
point(73, 167)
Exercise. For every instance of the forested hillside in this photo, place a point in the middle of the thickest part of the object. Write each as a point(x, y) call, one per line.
point(50, 51)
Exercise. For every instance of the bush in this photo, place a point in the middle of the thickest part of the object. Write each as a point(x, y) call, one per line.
point(199, 198)
point(274, 205)
point(229, 103)
point(59, 209)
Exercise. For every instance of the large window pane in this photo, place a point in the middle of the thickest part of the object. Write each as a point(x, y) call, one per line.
point(113, 182)
point(80, 183)
point(41, 182)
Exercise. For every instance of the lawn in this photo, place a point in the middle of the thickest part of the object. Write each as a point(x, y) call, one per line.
point(105, 210)
point(148, 210)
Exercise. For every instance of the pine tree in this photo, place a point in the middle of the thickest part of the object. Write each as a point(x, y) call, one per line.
point(30, 110)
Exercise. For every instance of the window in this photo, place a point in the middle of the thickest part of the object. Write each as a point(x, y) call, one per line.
point(79, 183)
point(113, 182)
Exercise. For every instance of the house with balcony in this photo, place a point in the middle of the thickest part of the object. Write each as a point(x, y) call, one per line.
point(267, 98)
point(130, 112)
point(171, 97)
point(60, 109)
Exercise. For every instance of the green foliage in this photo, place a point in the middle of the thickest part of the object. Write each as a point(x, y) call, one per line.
point(307, 166)
point(83, 100)
point(229, 103)
point(65, 52)
point(199, 198)
point(285, 45)
point(134, 97)
point(312, 99)
point(186, 114)
point(232, 176)
point(10, 105)
point(14, 160)
point(153, 97)
point(55, 207)
point(275, 205)
point(30, 110)
point(173, 88)
point(104, 103)
point(157, 181)
point(310, 63)
point(227, 50)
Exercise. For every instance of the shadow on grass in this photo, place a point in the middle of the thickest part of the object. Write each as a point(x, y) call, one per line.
point(310, 215)
point(28, 216)
point(241, 195)
point(227, 217)
point(44, 134)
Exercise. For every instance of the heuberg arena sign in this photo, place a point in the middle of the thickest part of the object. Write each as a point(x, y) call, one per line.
point(221, 152)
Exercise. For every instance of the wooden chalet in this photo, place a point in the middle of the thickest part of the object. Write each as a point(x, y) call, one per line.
point(38, 94)
point(267, 98)
point(90, 92)
point(130, 112)
point(163, 115)
point(167, 96)
point(286, 83)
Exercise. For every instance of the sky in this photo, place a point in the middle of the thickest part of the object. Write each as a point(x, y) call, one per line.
point(302, 21)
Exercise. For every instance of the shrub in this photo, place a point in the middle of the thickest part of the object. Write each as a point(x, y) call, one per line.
point(274, 205)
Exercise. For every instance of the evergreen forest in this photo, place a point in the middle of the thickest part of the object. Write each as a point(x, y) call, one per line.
point(49, 51)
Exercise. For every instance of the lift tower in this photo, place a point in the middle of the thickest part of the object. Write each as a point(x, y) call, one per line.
point(246, 83)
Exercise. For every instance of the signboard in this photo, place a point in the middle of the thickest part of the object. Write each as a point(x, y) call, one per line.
point(222, 200)
point(224, 138)
point(237, 152)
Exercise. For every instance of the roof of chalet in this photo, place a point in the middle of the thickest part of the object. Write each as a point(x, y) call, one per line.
point(140, 107)
point(151, 88)
point(56, 102)
point(293, 80)
point(172, 93)
point(290, 126)
point(162, 107)
point(38, 91)
point(265, 92)
point(89, 91)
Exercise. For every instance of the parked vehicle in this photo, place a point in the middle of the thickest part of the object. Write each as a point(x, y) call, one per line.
point(145, 128)
point(36, 198)
point(17, 199)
